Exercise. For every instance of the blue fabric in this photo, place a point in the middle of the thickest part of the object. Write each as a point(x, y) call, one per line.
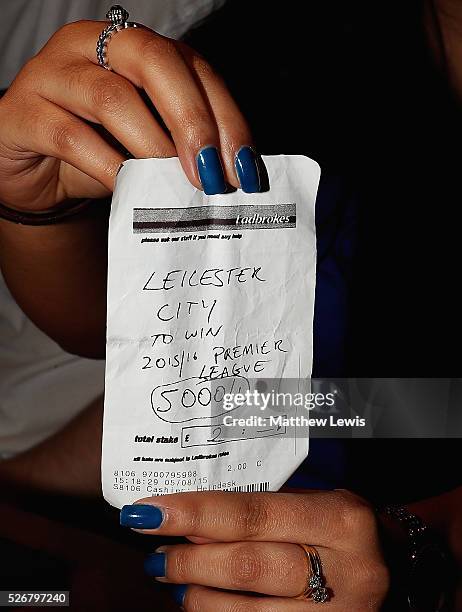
point(336, 225)
point(324, 469)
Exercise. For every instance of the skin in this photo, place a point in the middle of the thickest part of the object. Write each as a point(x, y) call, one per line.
point(449, 15)
point(259, 533)
point(258, 548)
point(51, 151)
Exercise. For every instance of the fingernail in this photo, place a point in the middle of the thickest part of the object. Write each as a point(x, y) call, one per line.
point(179, 593)
point(211, 171)
point(154, 565)
point(141, 516)
point(247, 170)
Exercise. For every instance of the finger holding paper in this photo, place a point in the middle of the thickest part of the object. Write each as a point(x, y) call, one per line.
point(204, 122)
point(46, 109)
point(66, 126)
point(261, 548)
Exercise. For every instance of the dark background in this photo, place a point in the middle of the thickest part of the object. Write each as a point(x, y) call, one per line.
point(354, 86)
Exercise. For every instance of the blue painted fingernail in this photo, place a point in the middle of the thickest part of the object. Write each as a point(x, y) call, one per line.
point(179, 593)
point(141, 516)
point(247, 170)
point(211, 171)
point(154, 565)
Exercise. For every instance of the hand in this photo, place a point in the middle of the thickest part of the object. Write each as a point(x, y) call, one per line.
point(49, 150)
point(258, 549)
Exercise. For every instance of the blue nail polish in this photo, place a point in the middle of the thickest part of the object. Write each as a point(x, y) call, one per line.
point(155, 564)
point(247, 170)
point(141, 516)
point(211, 171)
point(179, 593)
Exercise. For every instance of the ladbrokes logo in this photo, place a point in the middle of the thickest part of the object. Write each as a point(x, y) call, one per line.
point(217, 218)
point(261, 219)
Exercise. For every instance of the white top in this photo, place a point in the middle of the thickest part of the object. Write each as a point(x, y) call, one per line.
point(41, 386)
point(26, 25)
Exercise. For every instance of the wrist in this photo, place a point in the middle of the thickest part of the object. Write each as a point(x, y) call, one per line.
point(421, 567)
point(58, 214)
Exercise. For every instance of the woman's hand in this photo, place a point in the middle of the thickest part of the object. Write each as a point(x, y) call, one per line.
point(50, 152)
point(258, 549)
point(66, 125)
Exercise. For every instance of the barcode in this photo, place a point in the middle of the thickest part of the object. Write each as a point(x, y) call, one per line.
point(254, 487)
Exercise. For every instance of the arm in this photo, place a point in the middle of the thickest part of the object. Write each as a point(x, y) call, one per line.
point(57, 275)
point(66, 463)
point(443, 20)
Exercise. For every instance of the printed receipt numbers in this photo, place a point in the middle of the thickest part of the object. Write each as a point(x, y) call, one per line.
point(208, 297)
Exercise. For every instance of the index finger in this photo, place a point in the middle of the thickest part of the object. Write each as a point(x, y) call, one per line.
point(324, 519)
point(153, 63)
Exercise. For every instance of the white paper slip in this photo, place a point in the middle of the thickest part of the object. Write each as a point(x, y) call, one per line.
point(209, 298)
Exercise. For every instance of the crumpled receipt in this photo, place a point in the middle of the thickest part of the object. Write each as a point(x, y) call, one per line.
point(207, 296)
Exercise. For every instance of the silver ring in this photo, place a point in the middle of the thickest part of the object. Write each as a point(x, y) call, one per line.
point(118, 17)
